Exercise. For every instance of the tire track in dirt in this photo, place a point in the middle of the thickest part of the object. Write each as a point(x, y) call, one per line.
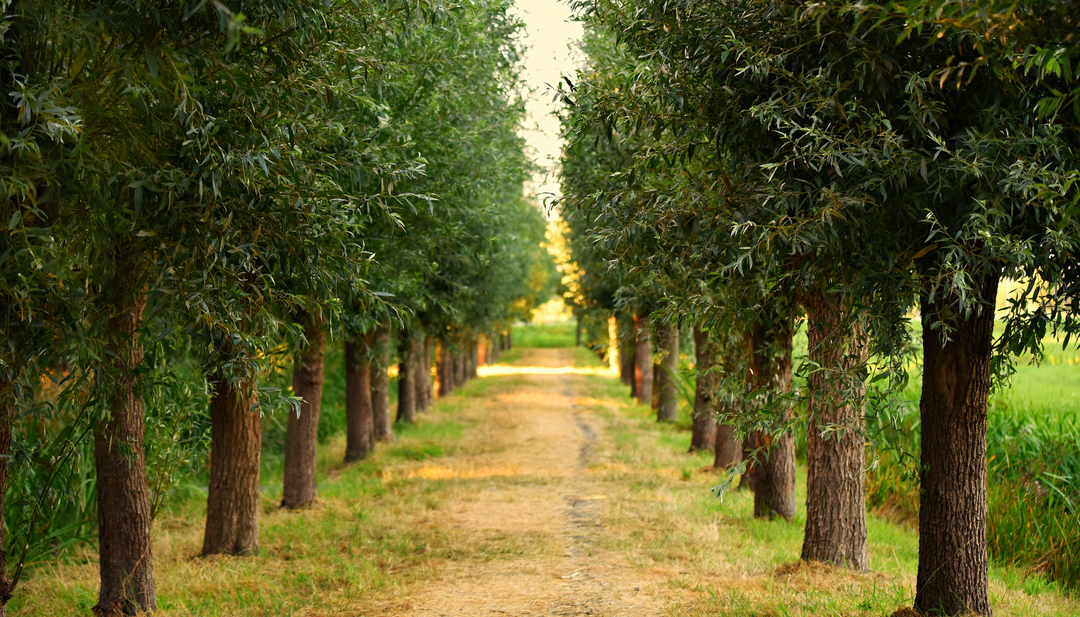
point(554, 501)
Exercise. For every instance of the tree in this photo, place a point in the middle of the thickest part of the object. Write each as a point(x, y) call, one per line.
point(887, 188)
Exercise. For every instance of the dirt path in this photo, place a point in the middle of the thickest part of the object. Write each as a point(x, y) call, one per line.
point(528, 506)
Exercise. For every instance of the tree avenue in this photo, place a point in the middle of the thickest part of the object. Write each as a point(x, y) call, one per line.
point(204, 208)
point(192, 196)
point(827, 161)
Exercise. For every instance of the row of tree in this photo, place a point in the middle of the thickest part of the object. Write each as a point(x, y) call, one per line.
point(182, 183)
point(744, 165)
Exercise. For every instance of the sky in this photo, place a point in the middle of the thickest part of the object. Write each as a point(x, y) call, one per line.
point(551, 52)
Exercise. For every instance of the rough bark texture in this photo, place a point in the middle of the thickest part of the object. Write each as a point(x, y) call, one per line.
point(126, 559)
point(643, 373)
point(422, 375)
point(703, 436)
point(656, 372)
point(406, 402)
point(445, 370)
point(232, 505)
point(668, 410)
point(952, 578)
point(628, 348)
point(7, 419)
point(835, 488)
point(773, 477)
point(301, 433)
point(359, 415)
point(726, 450)
point(380, 384)
point(460, 373)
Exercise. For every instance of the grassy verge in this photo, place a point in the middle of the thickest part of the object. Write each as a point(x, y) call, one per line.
point(718, 560)
point(365, 536)
point(559, 335)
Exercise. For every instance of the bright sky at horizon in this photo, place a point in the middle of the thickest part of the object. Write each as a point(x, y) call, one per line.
point(551, 52)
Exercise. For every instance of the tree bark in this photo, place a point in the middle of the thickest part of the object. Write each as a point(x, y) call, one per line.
point(577, 332)
point(302, 431)
point(703, 435)
point(773, 476)
point(952, 577)
point(124, 547)
point(643, 372)
point(628, 360)
point(474, 359)
point(668, 410)
point(380, 384)
point(657, 370)
point(835, 488)
point(232, 506)
point(445, 370)
point(459, 370)
point(359, 415)
point(726, 449)
point(406, 402)
point(422, 375)
point(509, 339)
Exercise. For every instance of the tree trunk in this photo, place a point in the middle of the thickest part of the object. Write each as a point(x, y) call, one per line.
point(359, 415)
point(124, 547)
point(380, 384)
point(628, 361)
point(445, 370)
point(474, 360)
point(643, 372)
point(703, 436)
point(7, 422)
point(577, 332)
point(668, 410)
point(232, 506)
point(726, 449)
point(422, 374)
point(493, 349)
point(302, 431)
point(773, 476)
point(835, 488)
point(657, 370)
point(459, 370)
point(406, 402)
point(952, 578)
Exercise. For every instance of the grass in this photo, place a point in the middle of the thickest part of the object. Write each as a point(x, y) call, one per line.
point(377, 535)
point(360, 538)
point(543, 336)
point(734, 565)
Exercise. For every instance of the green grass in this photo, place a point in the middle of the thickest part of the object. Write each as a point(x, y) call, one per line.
point(1033, 443)
point(753, 569)
point(370, 542)
point(559, 335)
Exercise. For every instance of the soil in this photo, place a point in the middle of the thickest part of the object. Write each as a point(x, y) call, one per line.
point(539, 438)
